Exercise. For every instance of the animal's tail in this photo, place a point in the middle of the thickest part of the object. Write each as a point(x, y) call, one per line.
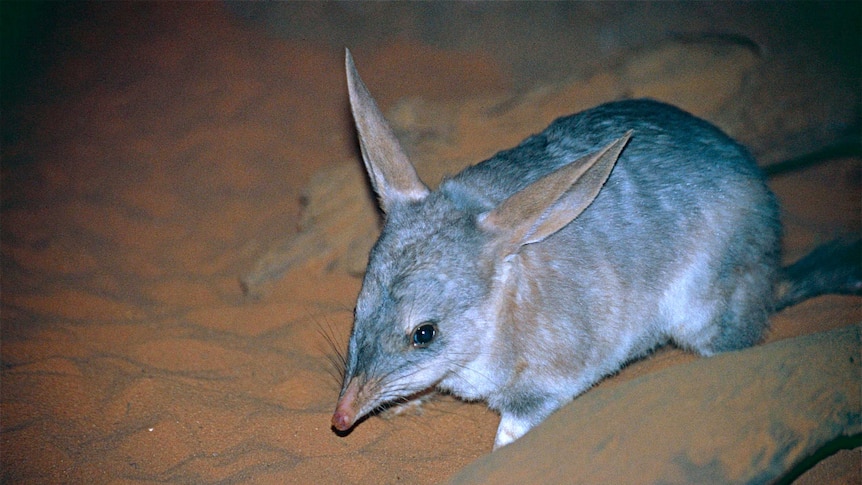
point(833, 268)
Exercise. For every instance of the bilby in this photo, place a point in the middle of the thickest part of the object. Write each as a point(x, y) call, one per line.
point(527, 278)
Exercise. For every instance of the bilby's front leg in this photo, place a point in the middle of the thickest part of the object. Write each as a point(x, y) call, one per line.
point(519, 417)
point(511, 428)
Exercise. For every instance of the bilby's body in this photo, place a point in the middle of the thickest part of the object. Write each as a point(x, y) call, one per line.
point(527, 278)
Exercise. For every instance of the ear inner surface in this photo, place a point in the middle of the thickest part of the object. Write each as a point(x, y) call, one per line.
point(393, 176)
point(550, 203)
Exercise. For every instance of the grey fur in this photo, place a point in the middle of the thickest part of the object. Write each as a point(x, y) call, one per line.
point(680, 245)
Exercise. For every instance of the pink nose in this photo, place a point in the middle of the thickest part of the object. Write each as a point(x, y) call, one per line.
point(345, 411)
point(342, 420)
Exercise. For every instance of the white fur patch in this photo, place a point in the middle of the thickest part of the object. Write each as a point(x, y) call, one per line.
point(686, 305)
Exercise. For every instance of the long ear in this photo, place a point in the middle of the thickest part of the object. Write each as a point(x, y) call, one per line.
point(391, 173)
point(550, 203)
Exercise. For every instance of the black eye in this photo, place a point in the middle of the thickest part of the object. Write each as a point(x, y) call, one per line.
point(423, 335)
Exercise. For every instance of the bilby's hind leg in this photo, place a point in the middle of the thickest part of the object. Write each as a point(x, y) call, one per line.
point(740, 311)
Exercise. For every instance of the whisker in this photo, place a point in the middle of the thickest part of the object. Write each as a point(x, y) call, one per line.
point(334, 355)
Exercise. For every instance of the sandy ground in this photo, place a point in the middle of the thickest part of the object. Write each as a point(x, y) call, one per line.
point(157, 153)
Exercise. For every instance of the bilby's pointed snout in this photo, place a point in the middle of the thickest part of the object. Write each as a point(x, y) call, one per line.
point(346, 409)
